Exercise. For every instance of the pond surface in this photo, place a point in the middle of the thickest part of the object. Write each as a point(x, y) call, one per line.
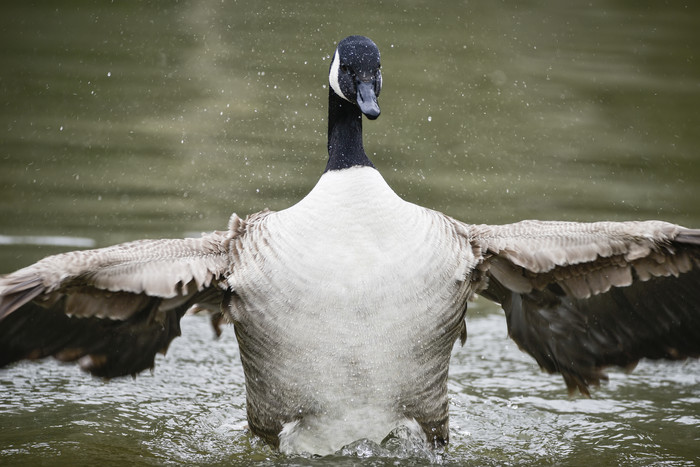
point(145, 120)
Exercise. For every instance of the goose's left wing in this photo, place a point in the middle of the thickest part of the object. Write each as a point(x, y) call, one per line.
point(110, 309)
point(579, 297)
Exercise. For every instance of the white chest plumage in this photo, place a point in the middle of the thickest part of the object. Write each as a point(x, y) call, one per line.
point(340, 296)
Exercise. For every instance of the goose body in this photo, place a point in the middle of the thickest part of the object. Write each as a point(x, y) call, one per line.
point(346, 305)
point(353, 339)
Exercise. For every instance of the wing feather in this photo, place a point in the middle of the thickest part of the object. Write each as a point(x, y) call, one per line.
point(580, 297)
point(111, 309)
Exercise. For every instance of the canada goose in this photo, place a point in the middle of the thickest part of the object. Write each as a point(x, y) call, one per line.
point(347, 304)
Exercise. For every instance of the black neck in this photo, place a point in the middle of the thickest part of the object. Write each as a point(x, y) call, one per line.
point(344, 135)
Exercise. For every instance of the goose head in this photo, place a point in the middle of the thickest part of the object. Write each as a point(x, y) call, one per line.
point(355, 75)
point(355, 81)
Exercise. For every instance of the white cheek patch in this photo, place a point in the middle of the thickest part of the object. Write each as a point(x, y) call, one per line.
point(333, 76)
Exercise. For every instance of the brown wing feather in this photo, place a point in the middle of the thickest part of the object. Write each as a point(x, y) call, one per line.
point(106, 348)
point(580, 297)
point(112, 309)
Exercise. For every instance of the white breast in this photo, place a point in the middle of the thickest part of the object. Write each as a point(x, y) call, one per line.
point(339, 294)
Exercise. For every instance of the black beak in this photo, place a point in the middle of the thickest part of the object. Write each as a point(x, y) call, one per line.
point(367, 100)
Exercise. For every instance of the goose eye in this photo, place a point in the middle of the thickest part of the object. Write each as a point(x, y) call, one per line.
point(344, 68)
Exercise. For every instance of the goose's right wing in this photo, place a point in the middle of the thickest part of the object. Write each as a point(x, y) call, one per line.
point(579, 297)
point(111, 309)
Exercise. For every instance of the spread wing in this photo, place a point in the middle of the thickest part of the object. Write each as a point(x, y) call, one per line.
point(111, 309)
point(580, 297)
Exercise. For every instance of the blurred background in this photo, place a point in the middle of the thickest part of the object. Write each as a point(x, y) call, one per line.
point(149, 119)
point(126, 120)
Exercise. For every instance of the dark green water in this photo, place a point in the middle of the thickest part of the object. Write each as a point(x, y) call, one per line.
point(158, 119)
